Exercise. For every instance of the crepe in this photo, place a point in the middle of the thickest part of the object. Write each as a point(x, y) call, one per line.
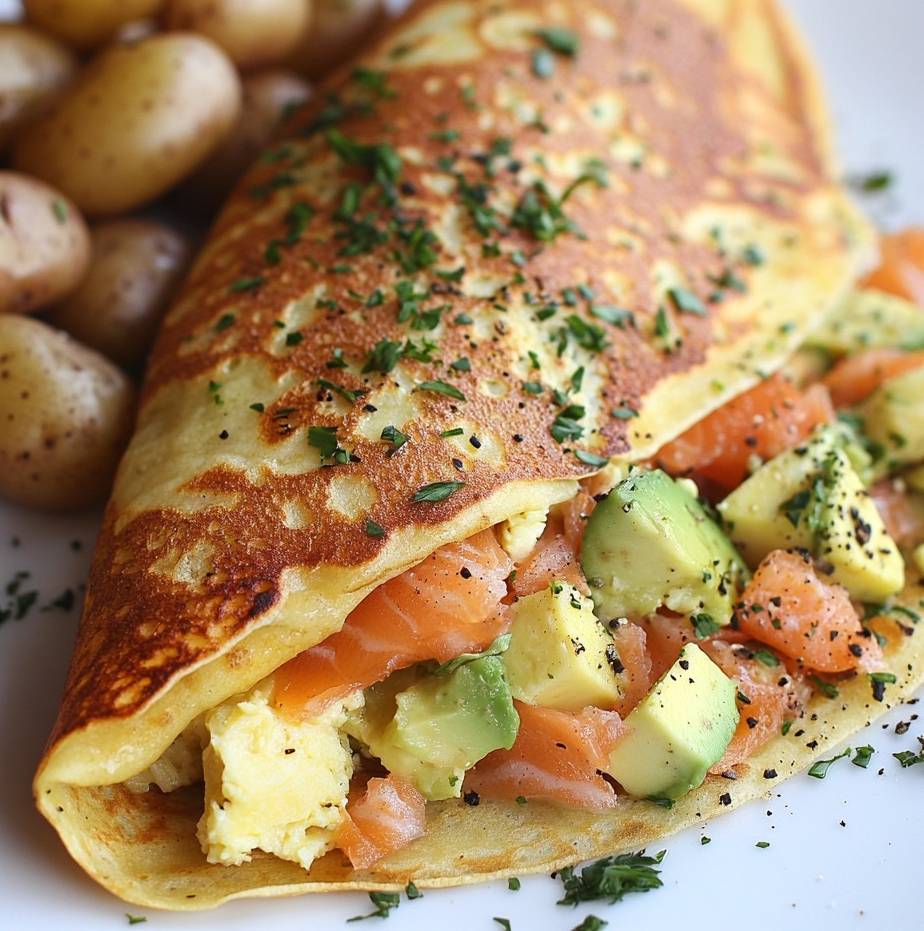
point(705, 240)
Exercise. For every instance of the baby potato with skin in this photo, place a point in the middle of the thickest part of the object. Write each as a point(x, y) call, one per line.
point(87, 24)
point(254, 33)
point(65, 417)
point(266, 96)
point(34, 69)
point(134, 271)
point(44, 244)
point(140, 118)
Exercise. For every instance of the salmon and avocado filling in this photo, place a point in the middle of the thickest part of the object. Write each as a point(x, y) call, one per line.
point(623, 644)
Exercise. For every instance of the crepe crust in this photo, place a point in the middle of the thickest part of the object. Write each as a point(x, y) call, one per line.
point(229, 546)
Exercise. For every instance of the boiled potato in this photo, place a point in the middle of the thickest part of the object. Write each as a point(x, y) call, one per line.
point(254, 33)
point(267, 95)
point(135, 268)
point(44, 244)
point(338, 28)
point(65, 416)
point(140, 119)
point(86, 24)
point(33, 71)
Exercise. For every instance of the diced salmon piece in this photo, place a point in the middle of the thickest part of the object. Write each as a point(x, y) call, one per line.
point(447, 605)
point(556, 758)
point(856, 377)
point(553, 557)
point(787, 606)
point(635, 679)
point(387, 816)
point(901, 270)
point(666, 636)
point(765, 421)
point(768, 695)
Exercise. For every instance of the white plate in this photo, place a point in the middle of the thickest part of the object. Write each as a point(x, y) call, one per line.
point(846, 850)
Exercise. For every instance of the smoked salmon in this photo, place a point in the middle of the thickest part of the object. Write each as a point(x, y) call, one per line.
point(901, 270)
point(448, 605)
point(557, 757)
point(856, 377)
point(789, 607)
point(387, 816)
point(763, 422)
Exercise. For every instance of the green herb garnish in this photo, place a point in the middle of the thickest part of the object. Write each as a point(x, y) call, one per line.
point(437, 491)
point(862, 756)
point(384, 902)
point(704, 625)
point(441, 387)
point(611, 878)
point(820, 768)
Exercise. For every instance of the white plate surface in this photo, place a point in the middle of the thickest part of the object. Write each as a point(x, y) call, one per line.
point(845, 851)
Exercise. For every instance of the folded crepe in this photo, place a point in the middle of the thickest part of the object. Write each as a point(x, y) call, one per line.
point(633, 204)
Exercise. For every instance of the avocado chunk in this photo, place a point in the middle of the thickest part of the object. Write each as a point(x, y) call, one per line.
point(893, 419)
point(870, 319)
point(560, 655)
point(811, 497)
point(681, 728)
point(651, 543)
point(430, 727)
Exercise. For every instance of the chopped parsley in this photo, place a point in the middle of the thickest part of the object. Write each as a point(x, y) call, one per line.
point(324, 440)
point(873, 183)
point(828, 689)
point(135, 919)
point(615, 315)
point(384, 902)
point(441, 387)
point(412, 892)
point(611, 878)
point(374, 529)
point(61, 213)
point(820, 768)
point(559, 40)
point(879, 681)
point(224, 321)
point(590, 459)
point(437, 491)
point(384, 356)
point(245, 285)
point(513, 884)
point(862, 756)
point(908, 758)
point(345, 393)
point(767, 657)
point(394, 436)
point(566, 426)
point(591, 923)
point(704, 625)
point(686, 302)
point(624, 412)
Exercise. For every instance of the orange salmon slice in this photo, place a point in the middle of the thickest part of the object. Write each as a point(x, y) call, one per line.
point(787, 606)
point(447, 605)
point(765, 421)
point(388, 815)
point(557, 757)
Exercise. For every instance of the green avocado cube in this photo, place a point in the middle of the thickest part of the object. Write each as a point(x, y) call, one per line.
point(560, 655)
point(651, 543)
point(433, 730)
point(893, 418)
point(678, 731)
point(811, 497)
point(870, 319)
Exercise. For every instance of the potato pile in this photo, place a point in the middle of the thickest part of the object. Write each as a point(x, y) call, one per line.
point(123, 125)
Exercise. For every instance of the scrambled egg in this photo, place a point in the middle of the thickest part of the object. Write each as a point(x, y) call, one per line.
point(519, 534)
point(272, 783)
point(179, 765)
